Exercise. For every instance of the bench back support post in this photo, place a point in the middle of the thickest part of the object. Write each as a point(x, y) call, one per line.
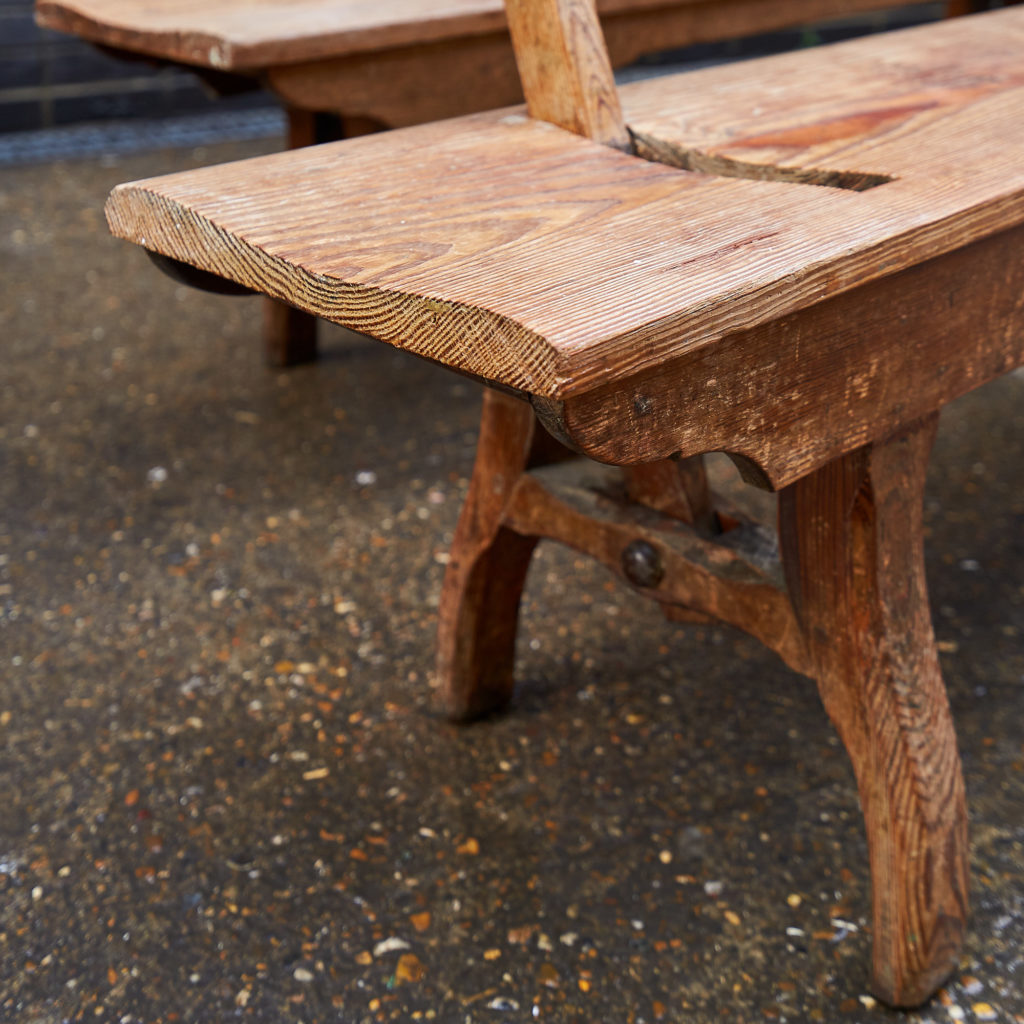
point(564, 68)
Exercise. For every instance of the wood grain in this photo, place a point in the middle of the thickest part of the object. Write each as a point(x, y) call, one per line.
point(567, 81)
point(648, 311)
point(466, 73)
point(371, 60)
point(697, 574)
point(512, 505)
point(472, 72)
point(676, 487)
point(486, 570)
point(240, 34)
point(786, 397)
point(564, 68)
point(528, 256)
point(290, 335)
point(853, 552)
point(887, 107)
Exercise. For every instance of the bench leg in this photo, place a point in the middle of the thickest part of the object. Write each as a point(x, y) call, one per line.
point(677, 488)
point(853, 551)
point(289, 335)
point(486, 569)
point(489, 558)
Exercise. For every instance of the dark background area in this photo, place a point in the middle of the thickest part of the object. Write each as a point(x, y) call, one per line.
point(49, 80)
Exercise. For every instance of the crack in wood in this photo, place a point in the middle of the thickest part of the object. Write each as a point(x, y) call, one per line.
point(671, 154)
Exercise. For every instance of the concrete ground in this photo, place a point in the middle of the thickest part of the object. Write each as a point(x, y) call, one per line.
point(227, 792)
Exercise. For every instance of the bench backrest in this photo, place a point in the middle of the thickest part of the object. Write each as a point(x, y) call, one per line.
point(564, 68)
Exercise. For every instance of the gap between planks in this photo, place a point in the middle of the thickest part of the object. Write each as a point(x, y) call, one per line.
point(686, 158)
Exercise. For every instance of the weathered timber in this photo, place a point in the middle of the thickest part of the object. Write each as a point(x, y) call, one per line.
point(885, 110)
point(691, 572)
point(853, 553)
point(475, 72)
point(236, 35)
point(289, 334)
point(678, 488)
point(567, 81)
point(487, 567)
point(647, 311)
point(603, 265)
point(368, 62)
point(509, 508)
point(787, 397)
point(564, 68)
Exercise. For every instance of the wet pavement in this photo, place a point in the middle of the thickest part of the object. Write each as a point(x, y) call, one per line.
point(227, 790)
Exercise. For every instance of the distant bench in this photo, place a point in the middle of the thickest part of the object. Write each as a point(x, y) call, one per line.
point(389, 63)
point(798, 261)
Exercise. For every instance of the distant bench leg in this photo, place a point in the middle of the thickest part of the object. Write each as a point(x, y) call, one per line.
point(678, 488)
point(486, 569)
point(853, 551)
point(289, 335)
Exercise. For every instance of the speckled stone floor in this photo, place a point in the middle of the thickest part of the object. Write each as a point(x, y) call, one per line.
point(227, 793)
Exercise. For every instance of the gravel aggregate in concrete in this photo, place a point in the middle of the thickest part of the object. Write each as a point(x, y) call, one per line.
point(228, 793)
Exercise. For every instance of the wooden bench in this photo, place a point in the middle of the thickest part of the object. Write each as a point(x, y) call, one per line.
point(390, 63)
point(797, 261)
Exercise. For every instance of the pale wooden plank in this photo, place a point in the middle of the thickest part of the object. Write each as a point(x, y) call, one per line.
point(256, 34)
point(231, 34)
point(478, 72)
point(238, 34)
point(881, 105)
point(525, 255)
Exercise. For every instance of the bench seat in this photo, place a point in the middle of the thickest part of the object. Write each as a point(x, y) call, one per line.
point(242, 36)
point(388, 63)
point(518, 252)
point(535, 259)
